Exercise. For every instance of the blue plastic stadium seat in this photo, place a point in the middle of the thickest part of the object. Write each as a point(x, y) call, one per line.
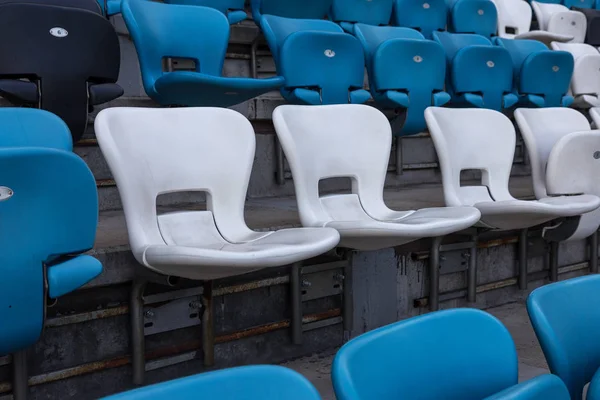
point(49, 213)
point(472, 16)
point(405, 71)
point(541, 76)
point(349, 12)
point(110, 7)
point(547, 1)
point(478, 73)
point(459, 354)
point(257, 382)
point(233, 9)
point(566, 321)
point(198, 33)
point(320, 63)
point(302, 9)
point(426, 16)
point(579, 3)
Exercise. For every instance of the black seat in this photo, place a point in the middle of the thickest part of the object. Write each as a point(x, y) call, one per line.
point(592, 35)
point(90, 5)
point(60, 59)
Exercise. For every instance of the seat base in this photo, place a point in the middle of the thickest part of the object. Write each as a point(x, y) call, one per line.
point(521, 214)
point(195, 89)
point(545, 37)
point(273, 249)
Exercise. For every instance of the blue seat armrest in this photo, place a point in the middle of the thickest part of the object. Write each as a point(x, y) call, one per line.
point(195, 89)
point(567, 101)
point(112, 7)
point(236, 16)
point(104, 92)
point(72, 274)
point(302, 96)
point(440, 98)
point(393, 99)
point(359, 96)
point(547, 387)
point(19, 92)
point(509, 100)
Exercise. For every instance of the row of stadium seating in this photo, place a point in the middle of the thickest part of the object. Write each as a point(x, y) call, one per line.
point(317, 61)
point(479, 348)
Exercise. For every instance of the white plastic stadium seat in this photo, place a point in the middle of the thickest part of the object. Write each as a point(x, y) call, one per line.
point(585, 83)
point(561, 148)
point(156, 151)
point(558, 19)
point(514, 22)
point(354, 141)
point(480, 139)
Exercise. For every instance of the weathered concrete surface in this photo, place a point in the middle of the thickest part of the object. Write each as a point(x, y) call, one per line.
point(317, 367)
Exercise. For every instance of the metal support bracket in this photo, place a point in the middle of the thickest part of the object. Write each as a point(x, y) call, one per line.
point(594, 253)
point(176, 314)
point(399, 156)
point(318, 281)
point(553, 271)
point(434, 274)
point(20, 386)
point(523, 244)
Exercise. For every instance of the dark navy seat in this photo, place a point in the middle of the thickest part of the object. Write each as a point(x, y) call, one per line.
point(478, 73)
point(89, 5)
point(472, 16)
point(426, 16)
point(541, 76)
point(320, 63)
point(349, 12)
point(405, 71)
point(49, 213)
point(302, 9)
point(201, 34)
point(65, 69)
point(233, 9)
point(592, 35)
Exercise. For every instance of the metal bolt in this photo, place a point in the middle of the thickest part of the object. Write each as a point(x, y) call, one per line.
point(149, 314)
point(597, 155)
point(306, 284)
point(196, 304)
point(339, 277)
point(480, 12)
point(418, 59)
point(573, 23)
point(442, 258)
point(466, 255)
point(490, 64)
point(426, 5)
point(555, 68)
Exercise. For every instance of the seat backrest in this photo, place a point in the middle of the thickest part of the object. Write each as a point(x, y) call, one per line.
point(473, 139)
point(541, 129)
point(519, 50)
point(372, 37)
point(222, 5)
point(544, 11)
point(256, 382)
point(567, 323)
point(452, 42)
point(468, 353)
point(579, 3)
point(426, 16)
point(83, 49)
point(576, 49)
point(89, 5)
point(559, 19)
point(161, 30)
point(331, 63)
point(514, 17)
point(51, 211)
point(156, 151)
point(474, 16)
point(302, 9)
point(331, 141)
point(31, 127)
point(374, 12)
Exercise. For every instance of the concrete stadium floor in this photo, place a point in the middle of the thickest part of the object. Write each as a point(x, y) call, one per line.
point(514, 316)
